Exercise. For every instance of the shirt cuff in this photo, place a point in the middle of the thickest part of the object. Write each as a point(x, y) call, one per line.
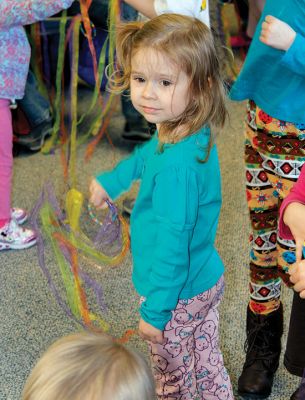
point(109, 183)
point(294, 57)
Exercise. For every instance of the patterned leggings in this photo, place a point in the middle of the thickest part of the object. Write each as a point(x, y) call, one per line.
point(274, 155)
point(190, 365)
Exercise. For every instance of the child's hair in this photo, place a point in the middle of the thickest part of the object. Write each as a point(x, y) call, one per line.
point(189, 44)
point(89, 366)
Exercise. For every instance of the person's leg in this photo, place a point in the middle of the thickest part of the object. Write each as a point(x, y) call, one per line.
point(275, 144)
point(6, 161)
point(37, 110)
point(12, 236)
point(264, 313)
point(294, 359)
point(98, 13)
point(212, 379)
point(34, 104)
point(136, 128)
point(241, 40)
point(242, 10)
point(255, 10)
point(189, 363)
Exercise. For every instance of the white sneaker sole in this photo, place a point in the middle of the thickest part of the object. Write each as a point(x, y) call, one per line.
point(20, 246)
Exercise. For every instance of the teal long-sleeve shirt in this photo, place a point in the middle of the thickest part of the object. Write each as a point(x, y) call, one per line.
point(173, 223)
point(275, 79)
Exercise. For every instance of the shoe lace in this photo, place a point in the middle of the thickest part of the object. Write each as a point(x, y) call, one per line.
point(259, 349)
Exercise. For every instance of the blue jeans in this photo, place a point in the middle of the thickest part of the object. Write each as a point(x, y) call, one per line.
point(35, 106)
point(98, 13)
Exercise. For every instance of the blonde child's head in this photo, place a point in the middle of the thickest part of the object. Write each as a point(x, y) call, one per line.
point(188, 45)
point(88, 366)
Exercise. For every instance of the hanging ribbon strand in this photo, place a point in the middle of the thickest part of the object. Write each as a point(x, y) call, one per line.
point(78, 235)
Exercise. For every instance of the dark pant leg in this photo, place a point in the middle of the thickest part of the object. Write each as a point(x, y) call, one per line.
point(294, 359)
point(35, 106)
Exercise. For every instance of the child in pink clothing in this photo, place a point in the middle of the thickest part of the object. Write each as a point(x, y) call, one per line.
point(14, 63)
point(292, 227)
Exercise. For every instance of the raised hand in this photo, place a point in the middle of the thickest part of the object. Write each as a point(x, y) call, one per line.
point(276, 33)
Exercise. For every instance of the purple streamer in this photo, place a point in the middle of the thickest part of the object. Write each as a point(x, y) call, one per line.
point(111, 223)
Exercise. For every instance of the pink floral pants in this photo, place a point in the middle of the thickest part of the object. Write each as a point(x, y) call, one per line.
point(189, 365)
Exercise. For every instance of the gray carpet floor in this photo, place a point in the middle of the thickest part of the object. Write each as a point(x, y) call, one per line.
point(30, 317)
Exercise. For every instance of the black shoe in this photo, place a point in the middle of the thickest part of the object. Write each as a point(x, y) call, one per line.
point(263, 348)
point(138, 131)
point(35, 139)
point(299, 394)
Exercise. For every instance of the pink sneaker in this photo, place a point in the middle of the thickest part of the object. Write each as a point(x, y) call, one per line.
point(19, 215)
point(12, 236)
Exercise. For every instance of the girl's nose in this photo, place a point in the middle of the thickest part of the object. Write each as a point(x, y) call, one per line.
point(149, 91)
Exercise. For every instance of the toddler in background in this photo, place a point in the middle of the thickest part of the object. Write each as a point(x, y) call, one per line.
point(171, 67)
point(89, 366)
point(292, 227)
point(14, 64)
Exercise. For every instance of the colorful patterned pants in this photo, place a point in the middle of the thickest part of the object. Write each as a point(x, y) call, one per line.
point(190, 364)
point(274, 155)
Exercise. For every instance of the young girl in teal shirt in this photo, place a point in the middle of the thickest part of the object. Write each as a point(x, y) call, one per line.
point(171, 67)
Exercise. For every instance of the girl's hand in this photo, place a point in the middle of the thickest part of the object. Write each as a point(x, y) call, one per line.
point(276, 33)
point(150, 333)
point(294, 218)
point(98, 194)
point(297, 276)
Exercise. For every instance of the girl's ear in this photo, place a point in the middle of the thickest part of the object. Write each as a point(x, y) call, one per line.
point(210, 82)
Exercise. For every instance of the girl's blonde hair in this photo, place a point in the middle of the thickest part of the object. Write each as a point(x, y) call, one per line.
point(89, 366)
point(189, 44)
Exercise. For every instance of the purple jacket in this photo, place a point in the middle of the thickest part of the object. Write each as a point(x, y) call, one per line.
point(15, 50)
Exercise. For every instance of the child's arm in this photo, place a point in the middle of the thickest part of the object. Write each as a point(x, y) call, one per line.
point(297, 277)
point(145, 7)
point(152, 8)
point(279, 35)
point(110, 184)
point(292, 215)
point(17, 12)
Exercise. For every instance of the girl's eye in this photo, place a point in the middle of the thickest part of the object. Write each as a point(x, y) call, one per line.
point(166, 83)
point(138, 79)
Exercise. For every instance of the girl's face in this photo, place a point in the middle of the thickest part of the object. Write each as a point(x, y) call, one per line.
point(158, 89)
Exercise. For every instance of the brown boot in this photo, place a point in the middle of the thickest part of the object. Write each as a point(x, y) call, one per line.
point(263, 348)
